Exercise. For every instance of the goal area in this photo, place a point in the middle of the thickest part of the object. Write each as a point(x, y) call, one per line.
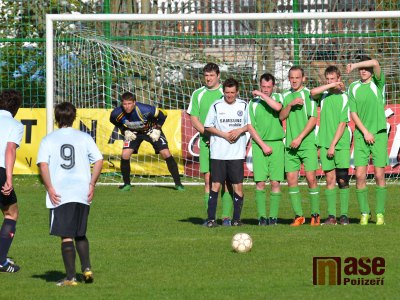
point(91, 60)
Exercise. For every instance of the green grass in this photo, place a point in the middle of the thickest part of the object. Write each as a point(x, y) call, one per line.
point(148, 244)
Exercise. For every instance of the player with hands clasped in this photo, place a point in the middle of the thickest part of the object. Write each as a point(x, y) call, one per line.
point(300, 113)
point(267, 135)
point(334, 137)
point(140, 122)
point(64, 159)
point(227, 123)
point(367, 109)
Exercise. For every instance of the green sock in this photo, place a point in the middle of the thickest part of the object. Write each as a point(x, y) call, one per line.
point(275, 198)
point(206, 197)
point(344, 201)
point(380, 194)
point(362, 197)
point(294, 195)
point(227, 205)
point(330, 195)
point(260, 203)
point(314, 199)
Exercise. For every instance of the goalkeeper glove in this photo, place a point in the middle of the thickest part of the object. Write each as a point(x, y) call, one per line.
point(129, 135)
point(154, 134)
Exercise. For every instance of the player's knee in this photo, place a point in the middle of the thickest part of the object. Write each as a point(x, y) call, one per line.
point(342, 178)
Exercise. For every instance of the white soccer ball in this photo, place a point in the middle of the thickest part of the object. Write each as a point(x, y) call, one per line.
point(242, 242)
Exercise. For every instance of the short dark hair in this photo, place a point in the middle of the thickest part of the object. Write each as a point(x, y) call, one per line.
point(267, 77)
point(211, 67)
point(294, 68)
point(366, 58)
point(11, 101)
point(231, 82)
point(65, 114)
point(332, 69)
point(128, 96)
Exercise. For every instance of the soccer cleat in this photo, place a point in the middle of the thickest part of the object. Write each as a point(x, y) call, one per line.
point(237, 223)
point(315, 220)
point(10, 261)
point(226, 222)
point(331, 220)
point(179, 188)
point(344, 220)
point(9, 268)
point(211, 224)
point(88, 275)
point(125, 188)
point(380, 219)
point(263, 221)
point(67, 282)
point(298, 220)
point(272, 221)
point(364, 219)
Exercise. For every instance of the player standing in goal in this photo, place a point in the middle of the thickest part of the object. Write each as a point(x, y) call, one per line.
point(140, 122)
point(64, 160)
point(227, 123)
point(267, 133)
point(200, 103)
point(367, 106)
point(10, 139)
point(334, 142)
point(300, 113)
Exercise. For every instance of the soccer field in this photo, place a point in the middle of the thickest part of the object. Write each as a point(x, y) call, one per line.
point(149, 244)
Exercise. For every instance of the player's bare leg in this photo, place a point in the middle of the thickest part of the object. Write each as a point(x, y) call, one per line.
point(173, 168)
point(7, 232)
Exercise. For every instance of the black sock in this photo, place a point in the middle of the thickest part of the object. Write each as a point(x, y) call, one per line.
point(68, 255)
point(82, 247)
point(7, 232)
point(126, 170)
point(173, 169)
point(237, 206)
point(212, 205)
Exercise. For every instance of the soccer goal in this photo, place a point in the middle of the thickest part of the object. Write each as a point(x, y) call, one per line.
point(92, 59)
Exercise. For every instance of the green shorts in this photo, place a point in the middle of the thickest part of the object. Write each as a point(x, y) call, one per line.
point(271, 166)
point(379, 151)
point(341, 159)
point(294, 158)
point(204, 157)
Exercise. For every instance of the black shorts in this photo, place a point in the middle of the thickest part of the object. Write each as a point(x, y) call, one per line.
point(69, 220)
point(161, 144)
point(231, 170)
point(6, 201)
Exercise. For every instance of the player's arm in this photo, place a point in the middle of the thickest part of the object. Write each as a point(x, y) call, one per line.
point(159, 117)
point(10, 155)
point(368, 137)
point(316, 92)
point(197, 124)
point(236, 133)
point(45, 173)
point(373, 63)
point(284, 114)
point(113, 120)
point(97, 166)
point(312, 121)
point(338, 134)
point(215, 131)
point(270, 102)
point(256, 137)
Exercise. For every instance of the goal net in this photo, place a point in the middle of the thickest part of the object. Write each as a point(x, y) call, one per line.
point(93, 59)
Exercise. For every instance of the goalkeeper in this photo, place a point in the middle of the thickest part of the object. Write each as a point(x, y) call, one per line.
point(140, 122)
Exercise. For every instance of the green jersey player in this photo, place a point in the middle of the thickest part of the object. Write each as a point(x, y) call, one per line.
point(200, 103)
point(300, 113)
point(367, 107)
point(334, 142)
point(267, 135)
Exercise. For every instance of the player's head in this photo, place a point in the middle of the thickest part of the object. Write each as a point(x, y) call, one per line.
point(65, 114)
point(211, 75)
point(332, 74)
point(296, 77)
point(128, 102)
point(231, 90)
point(267, 83)
point(365, 73)
point(10, 100)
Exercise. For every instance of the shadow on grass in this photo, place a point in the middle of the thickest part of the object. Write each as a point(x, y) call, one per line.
point(50, 276)
point(193, 220)
point(250, 222)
